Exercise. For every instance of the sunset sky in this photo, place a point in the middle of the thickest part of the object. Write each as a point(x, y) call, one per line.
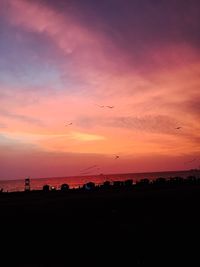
point(61, 61)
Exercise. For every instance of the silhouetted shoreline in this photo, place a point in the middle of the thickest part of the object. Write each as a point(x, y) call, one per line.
point(79, 181)
point(143, 183)
point(127, 224)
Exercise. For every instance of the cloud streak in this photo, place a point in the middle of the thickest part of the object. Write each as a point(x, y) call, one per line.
point(148, 123)
point(19, 117)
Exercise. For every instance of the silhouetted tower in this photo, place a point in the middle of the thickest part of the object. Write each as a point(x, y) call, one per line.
point(27, 186)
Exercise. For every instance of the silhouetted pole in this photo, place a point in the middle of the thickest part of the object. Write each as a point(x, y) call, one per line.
point(27, 186)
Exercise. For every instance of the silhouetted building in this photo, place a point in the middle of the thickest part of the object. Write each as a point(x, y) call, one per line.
point(89, 186)
point(143, 182)
point(128, 183)
point(106, 184)
point(46, 188)
point(160, 181)
point(191, 178)
point(176, 180)
point(64, 187)
point(117, 184)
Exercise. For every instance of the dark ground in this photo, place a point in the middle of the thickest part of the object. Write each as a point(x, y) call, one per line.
point(121, 227)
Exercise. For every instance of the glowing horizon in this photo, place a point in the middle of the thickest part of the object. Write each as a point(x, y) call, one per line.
point(83, 82)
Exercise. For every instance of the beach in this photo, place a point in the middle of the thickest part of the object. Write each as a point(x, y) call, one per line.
point(131, 227)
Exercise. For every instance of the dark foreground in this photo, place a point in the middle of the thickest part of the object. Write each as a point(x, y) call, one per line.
point(121, 227)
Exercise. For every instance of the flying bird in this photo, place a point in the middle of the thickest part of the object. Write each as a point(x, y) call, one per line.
point(110, 106)
point(102, 106)
point(67, 124)
point(116, 157)
point(178, 128)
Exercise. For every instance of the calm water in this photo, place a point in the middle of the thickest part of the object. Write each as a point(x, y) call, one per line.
point(74, 182)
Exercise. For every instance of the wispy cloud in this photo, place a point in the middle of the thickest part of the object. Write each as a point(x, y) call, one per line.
point(192, 106)
point(148, 123)
point(159, 123)
point(24, 118)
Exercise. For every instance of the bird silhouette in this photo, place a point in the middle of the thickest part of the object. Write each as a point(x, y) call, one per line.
point(110, 106)
point(67, 124)
point(116, 157)
point(177, 128)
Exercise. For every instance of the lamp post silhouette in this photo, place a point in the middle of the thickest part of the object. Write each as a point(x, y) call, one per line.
point(27, 186)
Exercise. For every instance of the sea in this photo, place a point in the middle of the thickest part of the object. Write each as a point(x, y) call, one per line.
point(79, 181)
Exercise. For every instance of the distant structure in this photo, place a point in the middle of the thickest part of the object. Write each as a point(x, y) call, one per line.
point(64, 187)
point(46, 188)
point(89, 186)
point(27, 186)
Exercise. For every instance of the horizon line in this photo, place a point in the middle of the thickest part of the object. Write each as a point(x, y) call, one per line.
point(101, 174)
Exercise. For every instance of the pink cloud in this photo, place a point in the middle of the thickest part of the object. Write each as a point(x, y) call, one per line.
point(66, 31)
